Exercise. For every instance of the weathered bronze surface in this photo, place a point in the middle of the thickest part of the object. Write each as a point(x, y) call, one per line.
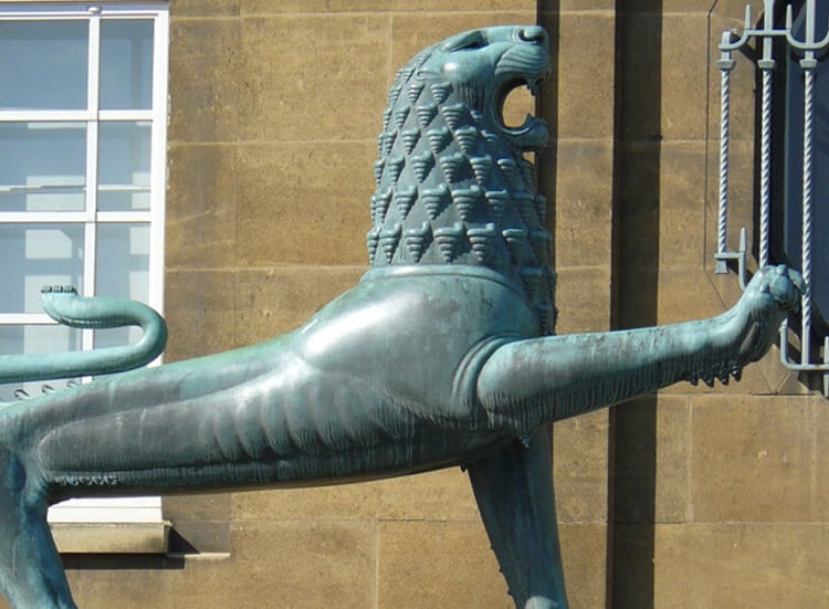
point(443, 355)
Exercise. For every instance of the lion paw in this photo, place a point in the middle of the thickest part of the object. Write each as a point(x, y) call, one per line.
point(770, 296)
point(786, 286)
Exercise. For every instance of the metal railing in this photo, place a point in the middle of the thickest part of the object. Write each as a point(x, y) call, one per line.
point(763, 36)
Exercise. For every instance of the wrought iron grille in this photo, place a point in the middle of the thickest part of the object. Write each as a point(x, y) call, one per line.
point(801, 41)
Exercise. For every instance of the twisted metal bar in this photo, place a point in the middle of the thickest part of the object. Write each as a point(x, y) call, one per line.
point(809, 65)
point(765, 167)
point(725, 64)
point(766, 64)
point(806, 235)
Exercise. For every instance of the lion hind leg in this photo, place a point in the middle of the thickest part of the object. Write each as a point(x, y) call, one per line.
point(31, 574)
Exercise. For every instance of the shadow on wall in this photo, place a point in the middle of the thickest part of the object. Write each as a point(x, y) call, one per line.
point(632, 493)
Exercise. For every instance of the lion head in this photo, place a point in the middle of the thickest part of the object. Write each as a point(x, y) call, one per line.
point(453, 186)
point(485, 66)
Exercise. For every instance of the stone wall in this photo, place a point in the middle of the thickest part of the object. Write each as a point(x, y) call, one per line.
point(714, 496)
point(716, 493)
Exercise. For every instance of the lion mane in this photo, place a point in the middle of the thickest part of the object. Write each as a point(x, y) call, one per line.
point(452, 187)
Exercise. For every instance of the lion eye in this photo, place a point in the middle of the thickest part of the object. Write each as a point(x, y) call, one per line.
point(467, 43)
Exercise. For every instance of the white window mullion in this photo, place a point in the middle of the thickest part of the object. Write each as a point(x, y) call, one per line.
point(126, 115)
point(90, 228)
point(132, 10)
point(51, 116)
point(94, 83)
point(54, 217)
point(16, 12)
point(89, 244)
point(93, 94)
point(158, 162)
point(25, 319)
point(44, 217)
point(124, 216)
point(26, 9)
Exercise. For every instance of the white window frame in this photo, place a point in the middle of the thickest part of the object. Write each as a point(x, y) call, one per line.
point(144, 509)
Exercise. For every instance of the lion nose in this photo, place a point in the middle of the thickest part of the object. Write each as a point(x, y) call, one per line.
point(534, 34)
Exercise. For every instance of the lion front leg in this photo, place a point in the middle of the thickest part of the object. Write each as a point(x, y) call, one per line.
point(514, 491)
point(527, 383)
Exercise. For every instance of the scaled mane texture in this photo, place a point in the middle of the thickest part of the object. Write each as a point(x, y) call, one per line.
point(451, 190)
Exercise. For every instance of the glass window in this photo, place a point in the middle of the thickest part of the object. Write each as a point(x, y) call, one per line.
point(37, 339)
point(126, 64)
point(42, 166)
point(123, 258)
point(44, 64)
point(124, 166)
point(83, 122)
point(35, 255)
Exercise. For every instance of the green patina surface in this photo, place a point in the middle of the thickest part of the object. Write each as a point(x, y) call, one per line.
point(442, 356)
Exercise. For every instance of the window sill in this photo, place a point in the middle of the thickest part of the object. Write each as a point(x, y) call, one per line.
point(111, 538)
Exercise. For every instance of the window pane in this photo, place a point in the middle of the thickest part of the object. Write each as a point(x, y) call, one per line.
point(19, 339)
point(123, 260)
point(43, 64)
point(15, 340)
point(123, 264)
point(35, 255)
point(126, 64)
point(124, 166)
point(42, 166)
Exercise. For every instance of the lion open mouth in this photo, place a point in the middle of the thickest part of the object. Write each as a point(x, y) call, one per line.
point(525, 64)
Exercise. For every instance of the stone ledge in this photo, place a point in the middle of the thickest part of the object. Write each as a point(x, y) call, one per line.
point(111, 538)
